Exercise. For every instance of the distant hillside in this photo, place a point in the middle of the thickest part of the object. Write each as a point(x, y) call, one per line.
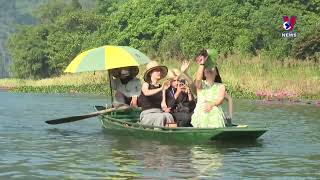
point(13, 12)
point(175, 29)
point(7, 16)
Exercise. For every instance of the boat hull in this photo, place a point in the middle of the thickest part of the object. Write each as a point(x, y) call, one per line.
point(181, 134)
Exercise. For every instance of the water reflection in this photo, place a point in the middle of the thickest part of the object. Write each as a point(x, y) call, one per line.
point(155, 160)
point(135, 157)
point(62, 132)
point(124, 163)
point(206, 162)
point(31, 149)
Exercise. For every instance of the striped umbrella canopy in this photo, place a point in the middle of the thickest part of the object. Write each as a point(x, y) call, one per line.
point(107, 57)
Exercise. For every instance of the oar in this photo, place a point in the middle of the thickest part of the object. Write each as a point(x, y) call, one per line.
point(84, 116)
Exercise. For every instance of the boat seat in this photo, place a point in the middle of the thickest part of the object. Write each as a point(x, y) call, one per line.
point(128, 115)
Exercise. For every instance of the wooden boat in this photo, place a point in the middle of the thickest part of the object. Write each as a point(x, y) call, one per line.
point(125, 122)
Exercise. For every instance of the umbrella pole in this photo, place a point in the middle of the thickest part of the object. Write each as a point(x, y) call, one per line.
point(111, 94)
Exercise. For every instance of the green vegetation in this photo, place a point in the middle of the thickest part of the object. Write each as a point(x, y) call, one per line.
point(66, 79)
point(244, 78)
point(94, 83)
point(14, 13)
point(299, 80)
point(167, 29)
point(253, 55)
point(100, 89)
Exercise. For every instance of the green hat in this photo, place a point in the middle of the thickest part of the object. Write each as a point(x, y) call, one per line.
point(212, 58)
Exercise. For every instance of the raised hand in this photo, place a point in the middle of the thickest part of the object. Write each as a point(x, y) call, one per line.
point(184, 66)
point(165, 85)
point(187, 90)
point(198, 59)
point(201, 59)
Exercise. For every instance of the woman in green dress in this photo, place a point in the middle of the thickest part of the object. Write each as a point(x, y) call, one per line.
point(208, 113)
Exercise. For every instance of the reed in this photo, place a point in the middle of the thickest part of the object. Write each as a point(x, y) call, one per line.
point(254, 77)
point(65, 79)
point(286, 79)
point(100, 89)
point(249, 77)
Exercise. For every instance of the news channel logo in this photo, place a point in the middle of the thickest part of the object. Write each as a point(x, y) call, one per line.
point(288, 25)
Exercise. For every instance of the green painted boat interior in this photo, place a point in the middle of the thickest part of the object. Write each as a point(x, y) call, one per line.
point(128, 115)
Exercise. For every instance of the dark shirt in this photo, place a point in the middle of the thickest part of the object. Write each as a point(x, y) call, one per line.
point(182, 99)
point(149, 102)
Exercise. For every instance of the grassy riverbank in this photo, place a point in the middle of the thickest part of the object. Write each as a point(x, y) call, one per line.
point(244, 78)
point(93, 83)
point(291, 78)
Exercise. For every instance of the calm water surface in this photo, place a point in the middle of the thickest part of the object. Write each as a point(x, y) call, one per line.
point(32, 149)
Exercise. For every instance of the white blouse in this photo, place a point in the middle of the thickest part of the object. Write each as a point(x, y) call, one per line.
point(131, 89)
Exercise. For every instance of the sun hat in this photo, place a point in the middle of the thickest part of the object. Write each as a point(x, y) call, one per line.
point(130, 71)
point(152, 65)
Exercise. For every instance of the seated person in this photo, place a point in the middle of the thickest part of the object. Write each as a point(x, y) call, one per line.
point(178, 98)
point(126, 85)
point(151, 97)
point(210, 95)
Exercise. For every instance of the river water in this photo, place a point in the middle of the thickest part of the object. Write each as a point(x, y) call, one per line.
point(32, 149)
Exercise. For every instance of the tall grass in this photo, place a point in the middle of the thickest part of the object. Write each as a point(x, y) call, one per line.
point(66, 79)
point(91, 82)
point(290, 76)
point(244, 77)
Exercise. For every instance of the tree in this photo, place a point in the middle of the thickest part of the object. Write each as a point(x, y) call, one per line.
point(308, 46)
point(48, 12)
point(175, 28)
point(69, 33)
point(75, 4)
point(47, 48)
point(28, 49)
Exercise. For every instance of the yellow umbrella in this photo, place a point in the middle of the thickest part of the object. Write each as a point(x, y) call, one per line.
point(107, 57)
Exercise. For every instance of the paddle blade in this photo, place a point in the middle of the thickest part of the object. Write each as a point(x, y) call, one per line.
point(84, 116)
point(71, 119)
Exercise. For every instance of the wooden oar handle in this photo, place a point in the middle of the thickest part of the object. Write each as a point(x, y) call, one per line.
point(111, 109)
point(84, 116)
